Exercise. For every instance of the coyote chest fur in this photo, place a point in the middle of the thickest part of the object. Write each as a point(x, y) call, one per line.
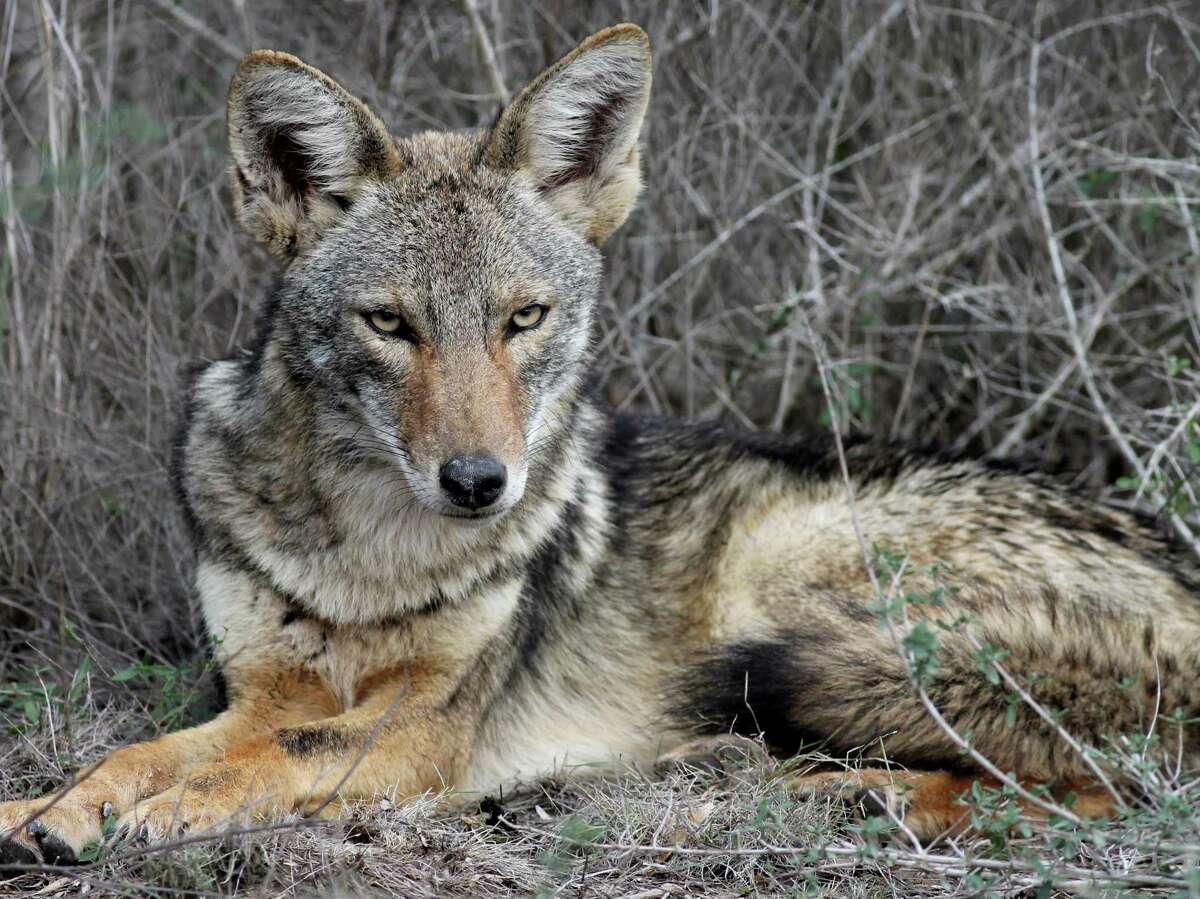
point(429, 557)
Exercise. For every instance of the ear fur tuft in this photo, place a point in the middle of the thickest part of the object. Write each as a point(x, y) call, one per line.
point(574, 130)
point(303, 148)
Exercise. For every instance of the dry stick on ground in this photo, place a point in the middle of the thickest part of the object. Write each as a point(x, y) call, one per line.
point(852, 856)
point(1064, 295)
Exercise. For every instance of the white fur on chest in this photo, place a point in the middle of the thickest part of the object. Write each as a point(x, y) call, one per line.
point(384, 562)
point(246, 622)
point(393, 556)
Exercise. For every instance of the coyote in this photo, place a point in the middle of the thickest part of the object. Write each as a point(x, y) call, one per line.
point(430, 558)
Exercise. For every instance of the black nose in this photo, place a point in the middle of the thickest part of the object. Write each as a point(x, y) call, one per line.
point(473, 481)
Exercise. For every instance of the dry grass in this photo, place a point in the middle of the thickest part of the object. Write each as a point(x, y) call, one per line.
point(982, 217)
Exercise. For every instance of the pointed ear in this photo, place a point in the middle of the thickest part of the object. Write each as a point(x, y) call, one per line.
point(574, 130)
point(303, 148)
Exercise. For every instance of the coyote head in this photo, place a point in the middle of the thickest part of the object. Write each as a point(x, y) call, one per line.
point(439, 288)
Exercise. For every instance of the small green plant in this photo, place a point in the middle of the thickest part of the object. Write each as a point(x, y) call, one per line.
point(1176, 497)
point(920, 639)
point(850, 380)
point(75, 173)
point(768, 814)
point(93, 850)
point(174, 686)
point(576, 834)
point(1147, 216)
point(1177, 364)
point(780, 316)
point(996, 815)
point(1094, 182)
point(23, 702)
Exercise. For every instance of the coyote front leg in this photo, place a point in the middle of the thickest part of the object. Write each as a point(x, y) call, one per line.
point(394, 739)
point(57, 826)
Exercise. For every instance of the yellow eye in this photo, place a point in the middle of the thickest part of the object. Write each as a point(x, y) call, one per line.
point(385, 321)
point(529, 317)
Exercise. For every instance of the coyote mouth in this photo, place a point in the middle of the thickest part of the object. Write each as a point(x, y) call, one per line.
point(475, 518)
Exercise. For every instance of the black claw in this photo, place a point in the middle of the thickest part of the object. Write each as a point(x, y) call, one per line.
point(36, 829)
point(13, 853)
point(143, 834)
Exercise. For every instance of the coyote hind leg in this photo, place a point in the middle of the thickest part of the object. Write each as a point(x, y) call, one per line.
point(931, 804)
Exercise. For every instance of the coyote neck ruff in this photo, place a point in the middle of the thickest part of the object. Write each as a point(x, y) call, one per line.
point(429, 558)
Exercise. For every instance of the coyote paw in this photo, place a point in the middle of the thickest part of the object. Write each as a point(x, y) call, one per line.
point(870, 794)
point(924, 803)
point(171, 815)
point(56, 836)
point(219, 798)
point(168, 816)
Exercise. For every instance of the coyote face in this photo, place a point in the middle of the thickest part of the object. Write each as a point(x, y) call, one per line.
point(443, 320)
point(438, 301)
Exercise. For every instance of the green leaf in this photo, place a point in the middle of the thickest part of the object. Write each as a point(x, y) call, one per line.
point(127, 674)
point(91, 851)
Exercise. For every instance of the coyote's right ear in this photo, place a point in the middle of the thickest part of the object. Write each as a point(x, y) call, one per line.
point(303, 148)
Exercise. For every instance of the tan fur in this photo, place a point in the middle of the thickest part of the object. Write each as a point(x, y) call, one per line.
point(259, 776)
point(640, 581)
point(933, 804)
point(463, 405)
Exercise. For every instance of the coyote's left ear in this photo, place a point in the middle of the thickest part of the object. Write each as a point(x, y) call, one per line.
point(303, 148)
point(574, 130)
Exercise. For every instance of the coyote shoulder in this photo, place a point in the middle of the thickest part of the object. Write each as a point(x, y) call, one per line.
point(430, 557)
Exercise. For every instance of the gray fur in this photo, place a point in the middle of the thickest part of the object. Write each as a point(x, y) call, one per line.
point(644, 579)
